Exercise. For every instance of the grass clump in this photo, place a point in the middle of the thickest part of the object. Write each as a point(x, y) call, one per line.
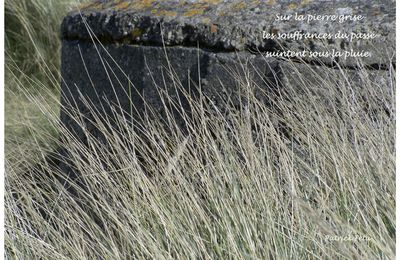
point(32, 40)
point(32, 47)
point(254, 182)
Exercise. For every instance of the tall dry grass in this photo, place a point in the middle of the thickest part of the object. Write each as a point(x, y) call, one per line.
point(32, 36)
point(32, 60)
point(254, 182)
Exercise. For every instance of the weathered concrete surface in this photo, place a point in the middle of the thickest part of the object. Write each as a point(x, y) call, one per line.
point(235, 24)
point(229, 33)
point(136, 75)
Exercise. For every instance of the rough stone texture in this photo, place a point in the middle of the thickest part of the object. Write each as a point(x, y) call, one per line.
point(146, 70)
point(234, 25)
point(228, 33)
point(146, 67)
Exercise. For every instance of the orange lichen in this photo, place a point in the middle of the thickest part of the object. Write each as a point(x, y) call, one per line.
point(158, 12)
point(122, 5)
point(305, 2)
point(141, 4)
point(213, 28)
point(181, 3)
point(238, 6)
point(271, 2)
point(292, 6)
point(212, 1)
point(90, 6)
point(193, 12)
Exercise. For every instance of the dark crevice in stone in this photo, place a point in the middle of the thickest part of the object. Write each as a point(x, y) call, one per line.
point(251, 50)
point(217, 48)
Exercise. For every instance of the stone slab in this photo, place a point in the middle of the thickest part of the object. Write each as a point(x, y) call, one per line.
point(120, 54)
point(129, 76)
point(234, 25)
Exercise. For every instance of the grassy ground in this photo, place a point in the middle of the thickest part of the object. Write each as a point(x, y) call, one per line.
point(235, 186)
point(32, 67)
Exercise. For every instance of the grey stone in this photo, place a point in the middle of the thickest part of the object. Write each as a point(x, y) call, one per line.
point(126, 62)
point(130, 76)
point(133, 75)
point(236, 25)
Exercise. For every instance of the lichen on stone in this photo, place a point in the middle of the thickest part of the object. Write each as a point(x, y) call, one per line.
point(292, 6)
point(213, 28)
point(238, 6)
point(141, 4)
point(90, 6)
point(223, 24)
point(162, 12)
point(206, 20)
point(193, 12)
point(212, 1)
point(122, 5)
